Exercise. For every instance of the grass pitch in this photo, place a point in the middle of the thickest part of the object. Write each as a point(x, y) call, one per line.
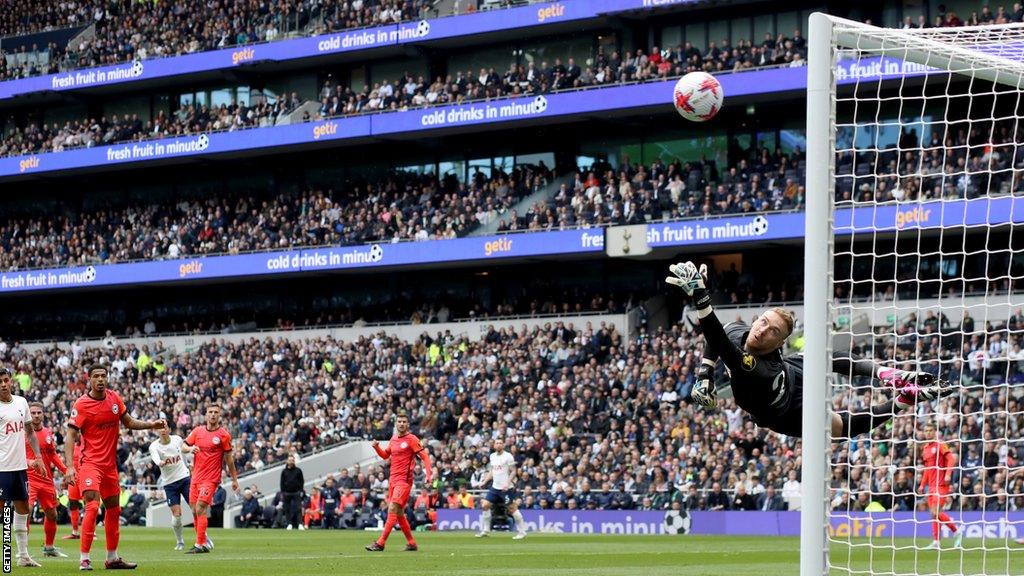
point(314, 553)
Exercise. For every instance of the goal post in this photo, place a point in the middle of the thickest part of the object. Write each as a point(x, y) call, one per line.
point(915, 187)
point(817, 290)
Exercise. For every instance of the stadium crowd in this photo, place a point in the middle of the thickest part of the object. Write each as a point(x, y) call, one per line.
point(634, 193)
point(400, 207)
point(127, 31)
point(594, 420)
point(542, 77)
point(191, 119)
point(969, 160)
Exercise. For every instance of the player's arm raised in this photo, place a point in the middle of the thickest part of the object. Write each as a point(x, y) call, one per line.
point(694, 282)
point(131, 423)
point(383, 453)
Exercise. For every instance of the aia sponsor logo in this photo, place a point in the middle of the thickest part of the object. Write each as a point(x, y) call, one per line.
point(14, 427)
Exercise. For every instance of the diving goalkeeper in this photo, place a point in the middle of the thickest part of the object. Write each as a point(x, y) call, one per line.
point(768, 385)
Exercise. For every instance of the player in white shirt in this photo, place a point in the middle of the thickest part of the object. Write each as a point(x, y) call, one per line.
point(501, 473)
point(167, 452)
point(14, 418)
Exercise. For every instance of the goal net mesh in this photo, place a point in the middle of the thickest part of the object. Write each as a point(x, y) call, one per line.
point(928, 182)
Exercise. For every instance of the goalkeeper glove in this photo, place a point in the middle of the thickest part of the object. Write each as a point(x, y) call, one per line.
point(703, 392)
point(693, 281)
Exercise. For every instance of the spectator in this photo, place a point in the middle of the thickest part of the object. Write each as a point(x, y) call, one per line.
point(769, 501)
point(314, 511)
point(251, 511)
point(332, 502)
point(134, 513)
point(717, 499)
point(292, 489)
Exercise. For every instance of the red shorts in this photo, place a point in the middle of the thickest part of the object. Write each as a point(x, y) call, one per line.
point(938, 499)
point(44, 493)
point(92, 478)
point(202, 492)
point(74, 493)
point(399, 494)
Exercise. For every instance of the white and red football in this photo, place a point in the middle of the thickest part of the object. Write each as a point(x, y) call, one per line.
point(698, 96)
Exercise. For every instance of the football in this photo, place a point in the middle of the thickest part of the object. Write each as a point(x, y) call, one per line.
point(698, 96)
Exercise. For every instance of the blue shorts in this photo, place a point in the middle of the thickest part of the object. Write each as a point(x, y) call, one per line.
point(14, 486)
point(177, 490)
point(501, 497)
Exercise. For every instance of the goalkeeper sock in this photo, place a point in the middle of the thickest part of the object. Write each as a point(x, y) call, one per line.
point(76, 515)
point(403, 523)
point(856, 424)
point(388, 526)
point(176, 525)
point(485, 521)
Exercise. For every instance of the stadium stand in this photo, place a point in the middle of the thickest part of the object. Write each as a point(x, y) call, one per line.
point(596, 419)
point(639, 65)
point(143, 30)
point(401, 207)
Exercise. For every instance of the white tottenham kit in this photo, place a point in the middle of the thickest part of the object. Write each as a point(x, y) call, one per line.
point(168, 457)
point(12, 434)
point(501, 470)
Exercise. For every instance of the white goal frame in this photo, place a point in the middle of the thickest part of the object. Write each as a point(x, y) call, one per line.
point(827, 36)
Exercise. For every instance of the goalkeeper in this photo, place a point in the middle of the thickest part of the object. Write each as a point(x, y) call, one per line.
point(768, 385)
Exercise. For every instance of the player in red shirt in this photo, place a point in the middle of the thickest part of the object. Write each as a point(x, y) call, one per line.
point(97, 417)
point(40, 488)
point(403, 449)
point(75, 496)
point(938, 461)
point(211, 444)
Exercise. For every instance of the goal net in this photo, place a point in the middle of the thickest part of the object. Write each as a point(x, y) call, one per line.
point(914, 259)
